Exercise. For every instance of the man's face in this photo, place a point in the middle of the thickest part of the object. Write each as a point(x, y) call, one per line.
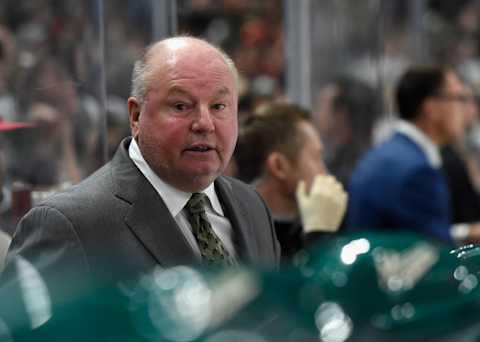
point(452, 109)
point(187, 127)
point(309, 161)
point(471, 110)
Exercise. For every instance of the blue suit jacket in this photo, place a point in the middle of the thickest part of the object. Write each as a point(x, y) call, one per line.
point(394, 187)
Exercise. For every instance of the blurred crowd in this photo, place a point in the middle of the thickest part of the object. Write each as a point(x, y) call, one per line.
point(65, 75)
point(51, 73)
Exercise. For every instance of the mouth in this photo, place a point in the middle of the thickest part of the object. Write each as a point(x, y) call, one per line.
point(200, 148)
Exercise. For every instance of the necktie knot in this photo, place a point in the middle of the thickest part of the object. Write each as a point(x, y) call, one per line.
point(196, 203)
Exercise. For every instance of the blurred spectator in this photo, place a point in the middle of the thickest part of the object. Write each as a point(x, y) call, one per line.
point(399, 184)
point(347, 114)
point(48, 157)
point(278, 149)
point(453, 29)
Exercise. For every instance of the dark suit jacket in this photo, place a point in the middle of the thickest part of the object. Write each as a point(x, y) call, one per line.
point(394, 187)
point(114, 225)
point(464, 197)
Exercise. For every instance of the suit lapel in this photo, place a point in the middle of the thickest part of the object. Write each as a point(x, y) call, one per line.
point(148, 217)
point(239, 218)
point(153, 224)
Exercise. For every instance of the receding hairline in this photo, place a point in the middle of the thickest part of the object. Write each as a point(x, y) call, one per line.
point(176, 43)
point(168, 48)
point(159, 54)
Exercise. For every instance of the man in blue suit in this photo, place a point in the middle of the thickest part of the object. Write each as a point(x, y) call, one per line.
point(399, 184)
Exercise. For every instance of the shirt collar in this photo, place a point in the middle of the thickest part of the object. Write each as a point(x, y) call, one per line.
point(422, 140)
point(176, 198)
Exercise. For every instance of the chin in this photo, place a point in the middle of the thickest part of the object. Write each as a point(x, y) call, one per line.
point(208, 176)
point(199, 183)
point(204, 169)
point(202, 175)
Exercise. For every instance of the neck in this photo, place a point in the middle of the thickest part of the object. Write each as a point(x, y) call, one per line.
point(278, 201)
point(430, 132)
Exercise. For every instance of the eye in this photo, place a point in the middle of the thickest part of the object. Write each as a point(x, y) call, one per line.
point(180, 106)
point(219, 106)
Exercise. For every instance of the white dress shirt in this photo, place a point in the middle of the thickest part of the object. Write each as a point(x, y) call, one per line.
point(175, 200)
point(429, 148)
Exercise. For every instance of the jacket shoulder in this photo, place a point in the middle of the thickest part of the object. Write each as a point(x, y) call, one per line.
point(398, 155)
point(84, 199)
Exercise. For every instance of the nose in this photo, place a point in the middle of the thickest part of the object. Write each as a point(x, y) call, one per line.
point(203, 121)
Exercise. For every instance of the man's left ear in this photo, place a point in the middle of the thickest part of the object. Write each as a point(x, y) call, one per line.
point(134, 109)
point(278, 165)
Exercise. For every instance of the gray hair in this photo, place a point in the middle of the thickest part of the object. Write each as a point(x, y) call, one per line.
point(142, 68)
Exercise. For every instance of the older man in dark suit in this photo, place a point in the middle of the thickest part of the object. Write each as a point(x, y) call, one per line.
point(162, 200)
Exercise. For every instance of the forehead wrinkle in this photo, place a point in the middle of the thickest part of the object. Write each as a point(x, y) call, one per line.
point(224, 91)
point(176, 90)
